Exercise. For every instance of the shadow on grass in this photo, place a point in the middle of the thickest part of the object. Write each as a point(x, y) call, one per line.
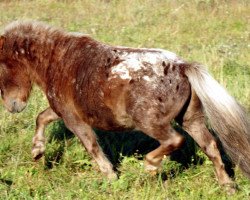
point(134, 143)
point(7, 182)
point(58, 135)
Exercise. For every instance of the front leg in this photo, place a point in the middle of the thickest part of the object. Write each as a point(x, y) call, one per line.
point(88, 138)
point(42, 120)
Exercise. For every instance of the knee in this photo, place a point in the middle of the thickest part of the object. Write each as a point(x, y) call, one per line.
point(212, 149)
point(40, 119)
point(177, 141)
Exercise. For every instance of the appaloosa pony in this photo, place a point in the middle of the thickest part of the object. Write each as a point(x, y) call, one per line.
point(93, 85)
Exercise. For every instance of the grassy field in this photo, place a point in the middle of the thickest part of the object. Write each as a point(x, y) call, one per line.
point(213, 32)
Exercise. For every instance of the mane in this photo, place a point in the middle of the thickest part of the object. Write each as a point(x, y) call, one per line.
point(29, 27)
point(35, 46)
point(36, 28)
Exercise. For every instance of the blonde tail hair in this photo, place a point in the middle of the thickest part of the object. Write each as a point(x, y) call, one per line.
point(226, 117)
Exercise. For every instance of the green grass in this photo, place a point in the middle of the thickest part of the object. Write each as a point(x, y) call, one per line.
point(215, 33)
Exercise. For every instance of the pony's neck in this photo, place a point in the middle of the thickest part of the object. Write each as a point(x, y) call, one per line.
point(35, 46)
point(36, 57)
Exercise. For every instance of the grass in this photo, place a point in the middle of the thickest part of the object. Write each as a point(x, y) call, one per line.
point(215, 33)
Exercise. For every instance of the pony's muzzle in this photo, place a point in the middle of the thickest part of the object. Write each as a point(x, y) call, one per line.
point(16, 106)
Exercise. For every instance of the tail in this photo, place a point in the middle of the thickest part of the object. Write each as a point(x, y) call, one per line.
point(225, 115)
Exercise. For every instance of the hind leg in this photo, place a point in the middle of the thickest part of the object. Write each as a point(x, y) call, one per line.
point(206, 141)
point(161, 130)
point(170, 140)
point(194, 124)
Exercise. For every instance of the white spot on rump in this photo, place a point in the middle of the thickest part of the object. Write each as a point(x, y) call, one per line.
point(131, 63)
point(136, 61)
point(122, 71)
point(146, 78)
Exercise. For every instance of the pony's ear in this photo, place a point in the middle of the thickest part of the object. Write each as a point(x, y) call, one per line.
point(2, 40)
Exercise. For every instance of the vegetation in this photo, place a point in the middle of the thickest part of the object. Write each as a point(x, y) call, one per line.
point(213, 32)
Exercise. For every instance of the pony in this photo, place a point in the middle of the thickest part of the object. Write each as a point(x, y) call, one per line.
point(90, 84)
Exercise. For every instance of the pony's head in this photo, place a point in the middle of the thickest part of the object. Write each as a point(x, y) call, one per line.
point(15, 84)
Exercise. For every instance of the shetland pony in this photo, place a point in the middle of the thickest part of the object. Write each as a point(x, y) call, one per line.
point(93, 85)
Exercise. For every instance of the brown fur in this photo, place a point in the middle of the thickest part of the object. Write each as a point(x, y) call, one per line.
point(93, 85)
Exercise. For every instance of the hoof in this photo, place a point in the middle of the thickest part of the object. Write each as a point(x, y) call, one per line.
point(230, 188)
point(151, 169)
point(152, 173)
point(38, 150)
point(112, 176)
